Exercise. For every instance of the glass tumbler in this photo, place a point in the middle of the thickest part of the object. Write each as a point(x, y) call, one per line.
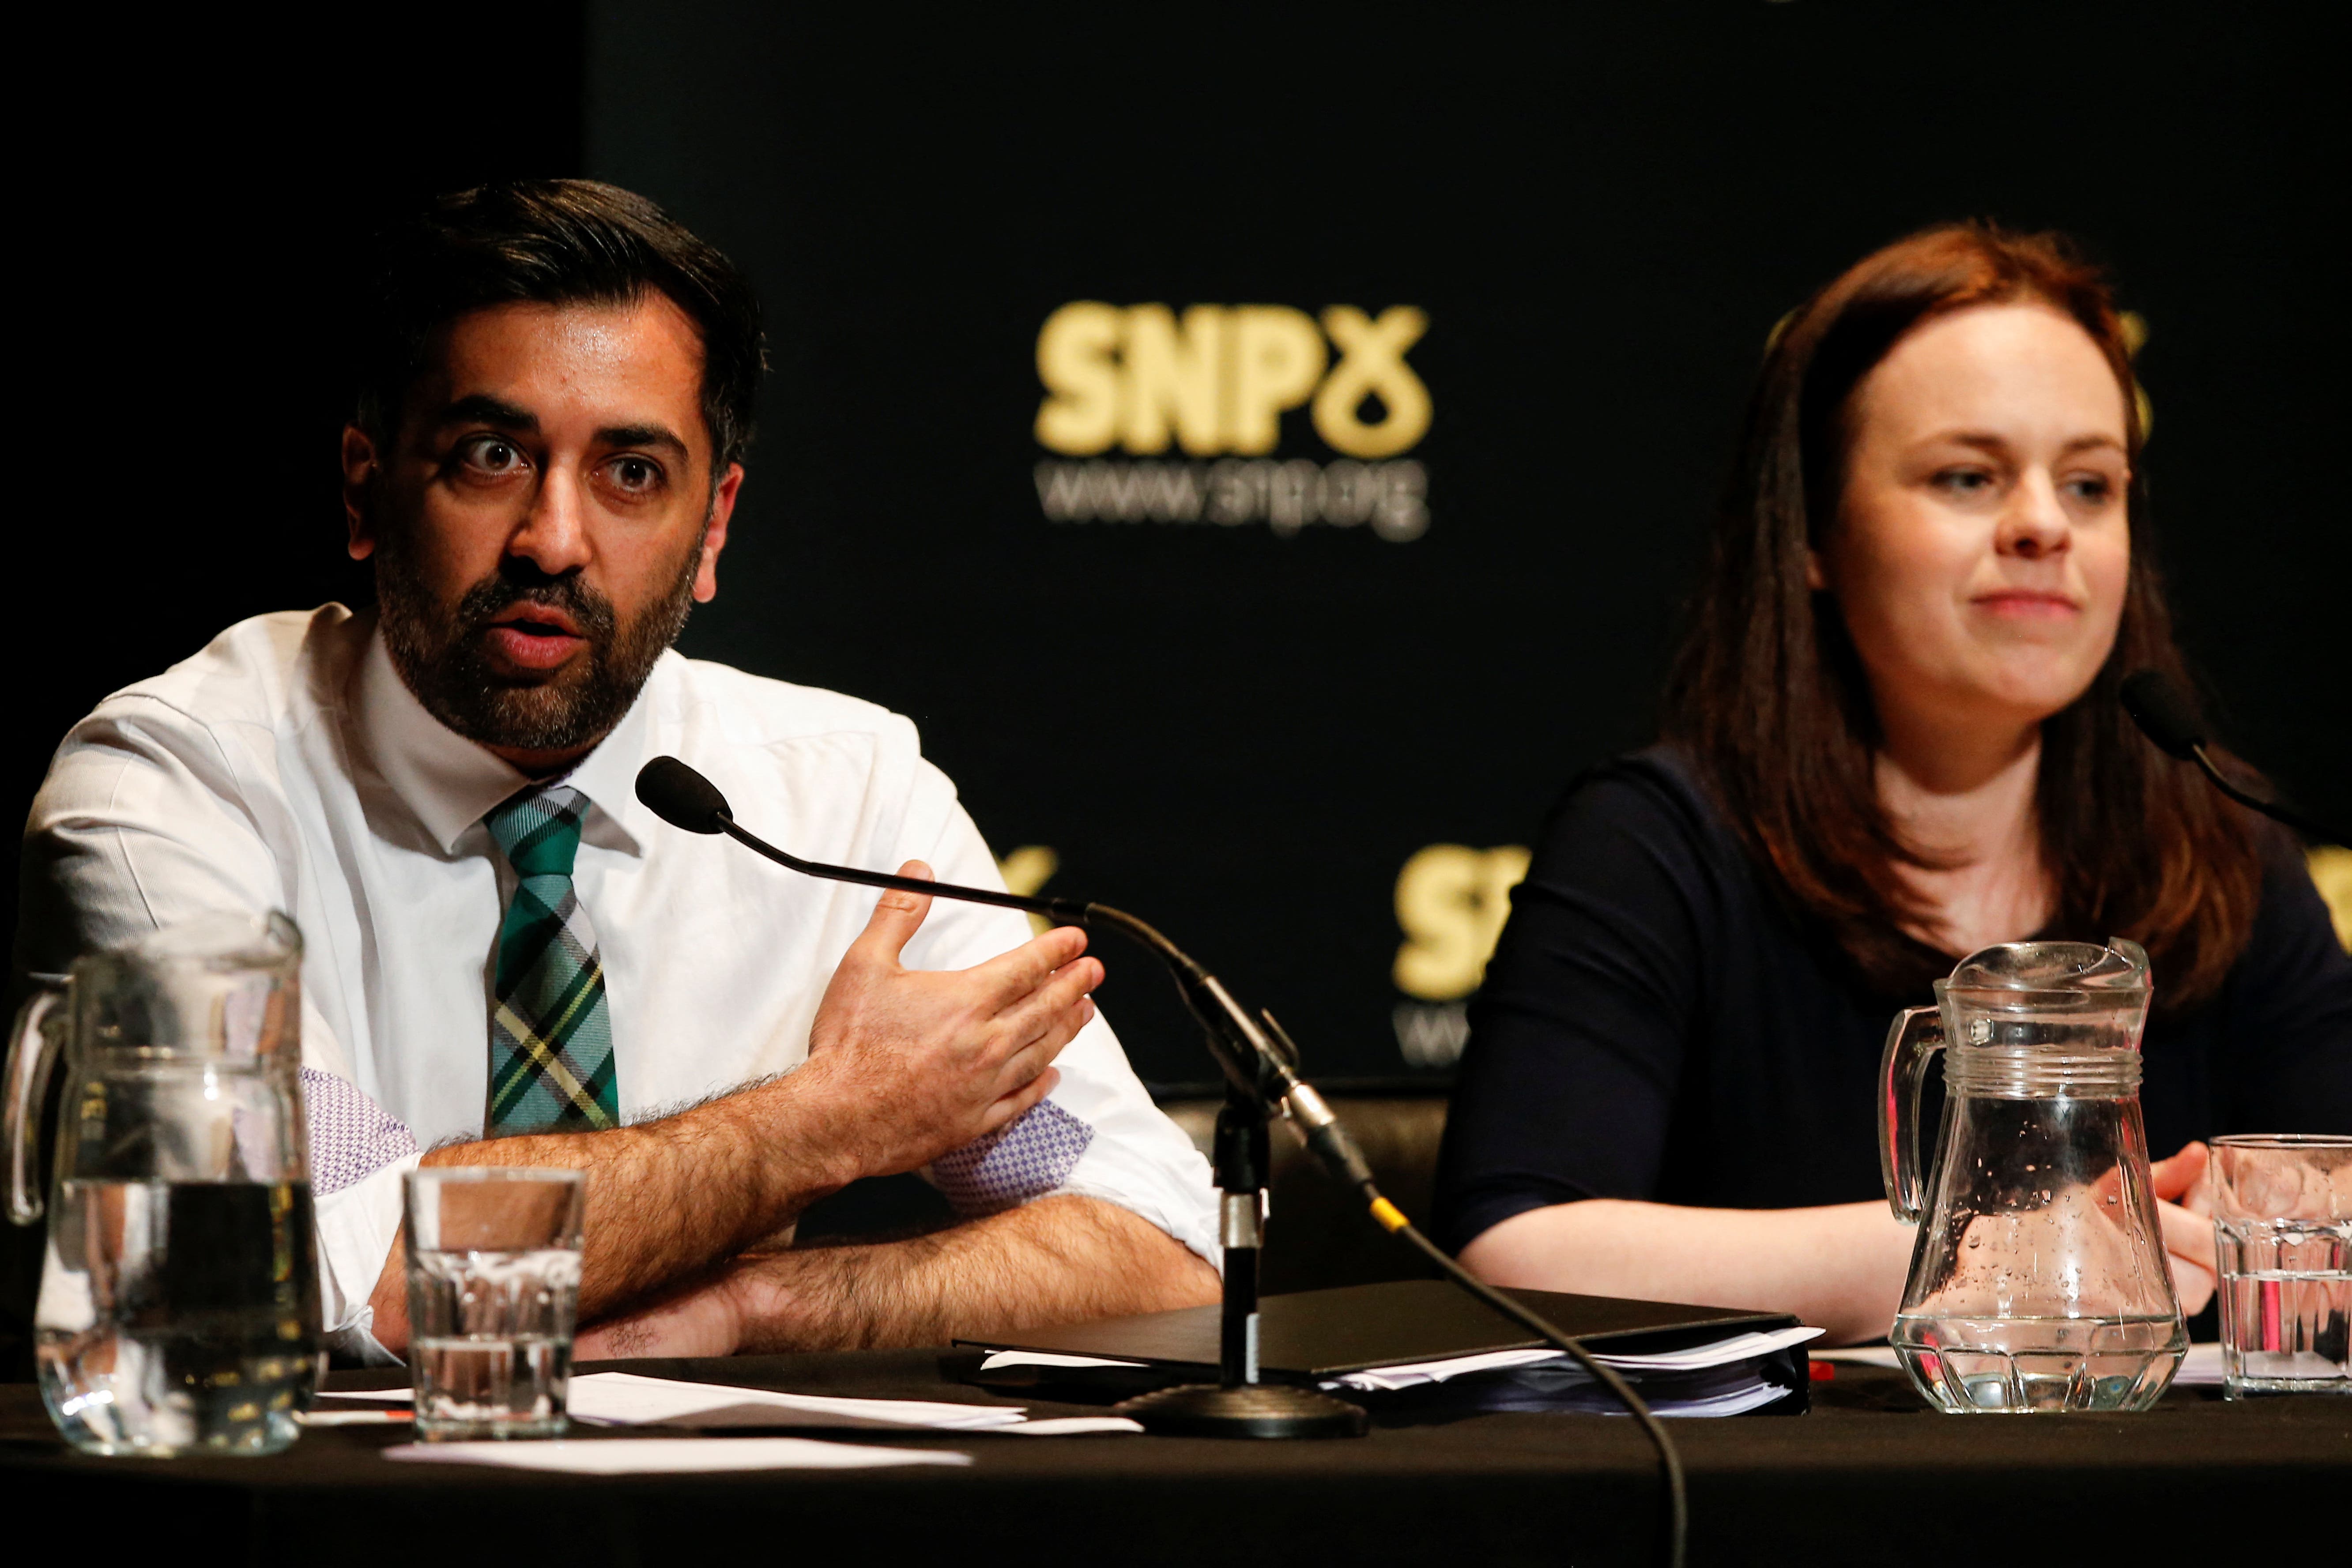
point(493, 1285)
point(2283, 1230)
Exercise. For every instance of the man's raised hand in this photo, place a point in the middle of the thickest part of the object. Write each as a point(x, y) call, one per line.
point(917, 1062)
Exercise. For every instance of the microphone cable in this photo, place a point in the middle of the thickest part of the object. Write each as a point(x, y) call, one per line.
point(1259, 1056)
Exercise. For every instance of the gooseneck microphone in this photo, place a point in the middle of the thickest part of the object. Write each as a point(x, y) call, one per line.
point(1260, 1062)
point(2166, 716)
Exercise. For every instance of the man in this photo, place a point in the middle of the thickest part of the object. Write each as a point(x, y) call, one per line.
point(509, 960)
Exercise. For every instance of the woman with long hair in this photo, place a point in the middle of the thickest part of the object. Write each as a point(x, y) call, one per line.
point(1891, 737)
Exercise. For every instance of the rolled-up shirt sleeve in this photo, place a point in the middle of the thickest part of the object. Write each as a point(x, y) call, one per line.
point(1099, 1134)
point(146, 820)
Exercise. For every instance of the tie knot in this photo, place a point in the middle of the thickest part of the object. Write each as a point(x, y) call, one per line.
point(539, 830)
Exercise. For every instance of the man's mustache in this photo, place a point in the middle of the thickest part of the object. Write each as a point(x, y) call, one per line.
point(496, 594)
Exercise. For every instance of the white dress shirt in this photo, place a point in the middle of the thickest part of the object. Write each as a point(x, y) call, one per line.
point(288, 767)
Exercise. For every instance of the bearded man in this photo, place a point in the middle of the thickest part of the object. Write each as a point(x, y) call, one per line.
point(508, 959)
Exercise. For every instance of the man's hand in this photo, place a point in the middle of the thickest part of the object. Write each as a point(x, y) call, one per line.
point(914, 1063)
point(2188, 1227)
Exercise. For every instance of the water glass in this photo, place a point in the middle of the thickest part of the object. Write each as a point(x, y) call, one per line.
point(493, 1284)
point(2283, 1227)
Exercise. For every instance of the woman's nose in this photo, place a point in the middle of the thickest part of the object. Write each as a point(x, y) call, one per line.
point(2035, 523)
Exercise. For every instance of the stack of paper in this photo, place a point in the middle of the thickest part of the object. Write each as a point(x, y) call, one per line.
point(1722, 1377)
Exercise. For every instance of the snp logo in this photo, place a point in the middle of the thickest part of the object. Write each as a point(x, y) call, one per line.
point(1215, 384)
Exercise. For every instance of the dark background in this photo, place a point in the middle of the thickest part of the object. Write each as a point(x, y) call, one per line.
point(1241, 735)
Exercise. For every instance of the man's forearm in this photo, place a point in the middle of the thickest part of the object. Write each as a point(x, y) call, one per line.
point(666, 1198)
point(1056, 1260)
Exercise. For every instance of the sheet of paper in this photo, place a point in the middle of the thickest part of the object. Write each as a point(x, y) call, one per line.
point(1715, 1353)
point(671, 1455)
point(2200, 1368)
point(1067, 1427)
point(386, 1395)
point(1047, 1358)
point(625, 1399)
point(365, 1417)
point(1737, 1402)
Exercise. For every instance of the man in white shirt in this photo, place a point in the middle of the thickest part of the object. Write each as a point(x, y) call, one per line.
point(508, 959)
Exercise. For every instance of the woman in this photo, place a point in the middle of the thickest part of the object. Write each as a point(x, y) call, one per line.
point(1892, 737)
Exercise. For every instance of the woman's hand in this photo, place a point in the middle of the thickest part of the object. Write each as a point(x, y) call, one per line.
point(2186, 1213)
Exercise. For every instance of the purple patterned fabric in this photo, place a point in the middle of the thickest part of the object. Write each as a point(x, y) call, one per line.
point(1009, 1167)
point(351, 1137)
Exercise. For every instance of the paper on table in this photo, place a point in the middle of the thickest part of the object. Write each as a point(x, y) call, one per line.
point(388, 1395)
point(1048, 1358)
point(626, 1399)
point(671, 1455)
point(1715, 1353)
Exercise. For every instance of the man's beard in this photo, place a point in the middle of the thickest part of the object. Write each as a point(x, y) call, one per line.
point(438, 652)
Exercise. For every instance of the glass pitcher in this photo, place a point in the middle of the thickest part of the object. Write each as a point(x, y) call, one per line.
point(2039, 1280)
point(179, 1308)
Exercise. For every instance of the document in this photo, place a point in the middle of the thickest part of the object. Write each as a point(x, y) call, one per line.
point(627, 1399)
point(671, 1455)
point(1699, 1358)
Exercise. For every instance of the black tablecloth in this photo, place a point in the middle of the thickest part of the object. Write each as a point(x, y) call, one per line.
point(1870, 1475)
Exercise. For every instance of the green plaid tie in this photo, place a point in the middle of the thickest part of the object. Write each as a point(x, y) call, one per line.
point(551, 1033)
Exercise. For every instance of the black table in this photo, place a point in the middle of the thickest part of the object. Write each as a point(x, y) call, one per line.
point(1870, 1475)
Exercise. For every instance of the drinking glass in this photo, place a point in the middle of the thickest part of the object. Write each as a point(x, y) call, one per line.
point(2283, 1227)
point(493, 1282)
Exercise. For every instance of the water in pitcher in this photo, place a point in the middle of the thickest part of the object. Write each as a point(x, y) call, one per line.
point(178, 1317)
point(2023, 1365)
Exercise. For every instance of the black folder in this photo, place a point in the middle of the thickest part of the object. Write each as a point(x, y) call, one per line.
point(1313, 1335)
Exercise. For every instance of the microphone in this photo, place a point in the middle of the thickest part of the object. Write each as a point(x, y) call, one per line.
point(1260, 1062)
point(2167, 717)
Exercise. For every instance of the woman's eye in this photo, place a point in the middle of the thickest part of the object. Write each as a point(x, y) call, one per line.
point(2091, 490)
point(636, 475)
point(1963, 481)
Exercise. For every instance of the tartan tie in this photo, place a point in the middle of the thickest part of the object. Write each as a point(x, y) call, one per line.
point(551, 1033)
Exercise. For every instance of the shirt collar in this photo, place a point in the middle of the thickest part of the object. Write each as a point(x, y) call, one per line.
point(450, 782)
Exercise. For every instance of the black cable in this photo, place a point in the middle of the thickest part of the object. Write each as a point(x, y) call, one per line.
point(1669, 1459)
point(1264, 1060)
point(2310, 827)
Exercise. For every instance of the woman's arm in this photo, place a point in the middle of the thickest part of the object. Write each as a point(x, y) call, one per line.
point(1840, 1267)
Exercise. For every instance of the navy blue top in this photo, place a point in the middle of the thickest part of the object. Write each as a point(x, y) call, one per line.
point(1657, 1024)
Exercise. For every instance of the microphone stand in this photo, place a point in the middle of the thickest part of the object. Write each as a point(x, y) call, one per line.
point(1237, 1404)
point(1260, 1062)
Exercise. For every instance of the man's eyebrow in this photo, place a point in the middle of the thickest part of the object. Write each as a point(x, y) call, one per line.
point(642, 435)
point(481, 408)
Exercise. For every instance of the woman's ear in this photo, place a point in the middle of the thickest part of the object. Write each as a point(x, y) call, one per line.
point(1816, 576)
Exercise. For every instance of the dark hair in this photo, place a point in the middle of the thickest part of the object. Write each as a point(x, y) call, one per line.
point(1768, 696)
point(556, 242)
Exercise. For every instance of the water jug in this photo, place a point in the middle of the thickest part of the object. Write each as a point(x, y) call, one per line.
point(178, 1309)
point(2039, 1280)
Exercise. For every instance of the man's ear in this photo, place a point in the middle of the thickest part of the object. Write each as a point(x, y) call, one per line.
point(360, 472)
point(714, 534)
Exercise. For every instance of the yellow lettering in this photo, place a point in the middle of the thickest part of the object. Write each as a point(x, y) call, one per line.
point(1450, 901)
point(1276, 357)
point(1171, 376)
point(1024, 871)
point(1371, 362)
point(1076, 352)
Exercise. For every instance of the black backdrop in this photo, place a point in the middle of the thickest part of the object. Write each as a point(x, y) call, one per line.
point(1242, 731)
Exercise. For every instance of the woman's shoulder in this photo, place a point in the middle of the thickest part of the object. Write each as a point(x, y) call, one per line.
point(1654, 797)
